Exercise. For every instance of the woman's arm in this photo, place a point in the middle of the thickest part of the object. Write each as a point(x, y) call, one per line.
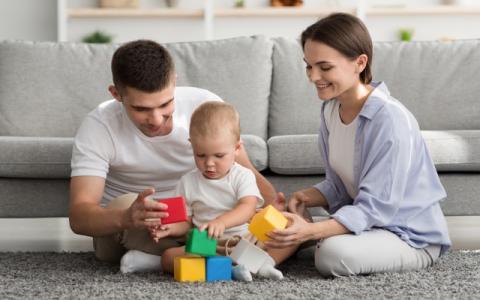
point(310, 197)
point(300, 231)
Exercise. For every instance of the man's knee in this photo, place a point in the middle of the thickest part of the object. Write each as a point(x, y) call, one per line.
point(122, 201)
point(334, 258)
point(107, 249)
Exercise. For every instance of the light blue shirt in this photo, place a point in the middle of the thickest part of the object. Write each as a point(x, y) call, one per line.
point(398, 186)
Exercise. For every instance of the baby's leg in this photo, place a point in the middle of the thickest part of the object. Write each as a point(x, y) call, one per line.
point(280, 255)
point(168, 258)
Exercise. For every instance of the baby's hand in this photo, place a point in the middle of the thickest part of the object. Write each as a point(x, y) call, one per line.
point(159, 232)
point(215, 228)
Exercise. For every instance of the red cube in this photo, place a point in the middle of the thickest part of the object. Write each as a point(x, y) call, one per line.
point(177, 210)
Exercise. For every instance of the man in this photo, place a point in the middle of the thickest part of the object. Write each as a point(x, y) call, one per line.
point(134, 148)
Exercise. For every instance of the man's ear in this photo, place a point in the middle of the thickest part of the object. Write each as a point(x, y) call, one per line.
point(361, 62)
point(114, 92)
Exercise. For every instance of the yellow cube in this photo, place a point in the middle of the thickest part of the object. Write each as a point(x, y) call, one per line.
point(189, 268)
point(265, 221)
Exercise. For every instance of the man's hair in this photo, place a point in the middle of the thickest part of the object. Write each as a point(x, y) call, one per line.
point(144, 65)
point(215, 117)
point(345, 33)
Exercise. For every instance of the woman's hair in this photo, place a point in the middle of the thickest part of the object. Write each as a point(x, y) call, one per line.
point(144, 65)
point(345, 33)
point(215, 117)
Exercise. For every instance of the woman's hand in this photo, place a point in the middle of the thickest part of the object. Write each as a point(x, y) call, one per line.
point(215, 228)
point(297, 232)
point(296, 203)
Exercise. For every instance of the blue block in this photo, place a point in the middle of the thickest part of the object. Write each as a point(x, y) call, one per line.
point(218, 268)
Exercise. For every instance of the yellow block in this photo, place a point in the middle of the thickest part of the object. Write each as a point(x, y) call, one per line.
point(265, 221)
point(188, 268)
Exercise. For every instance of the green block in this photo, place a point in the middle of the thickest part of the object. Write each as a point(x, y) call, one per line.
point(199, 243)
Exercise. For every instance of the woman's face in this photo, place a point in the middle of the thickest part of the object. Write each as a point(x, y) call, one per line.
point(333, 74)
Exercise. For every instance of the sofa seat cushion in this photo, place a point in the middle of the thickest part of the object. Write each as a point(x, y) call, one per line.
point(454, 150)
point(42, 157)
point(451, 151)
point(295, 155)
point(35, 157)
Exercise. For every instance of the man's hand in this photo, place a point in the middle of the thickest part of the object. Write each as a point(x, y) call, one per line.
point(145, 212)
point(215, 228)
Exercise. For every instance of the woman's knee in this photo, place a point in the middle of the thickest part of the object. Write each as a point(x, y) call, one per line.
point(334, 258)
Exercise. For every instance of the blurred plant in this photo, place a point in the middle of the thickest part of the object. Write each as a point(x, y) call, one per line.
point(239, 3)
point(406, 34)
point(98, 37)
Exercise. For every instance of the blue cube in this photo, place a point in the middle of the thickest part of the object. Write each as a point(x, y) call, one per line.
point(218, 268)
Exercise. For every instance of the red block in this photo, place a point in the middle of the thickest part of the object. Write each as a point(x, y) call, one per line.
point(177, 211)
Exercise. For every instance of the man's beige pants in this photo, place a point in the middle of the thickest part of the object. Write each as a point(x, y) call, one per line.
point(112, 247)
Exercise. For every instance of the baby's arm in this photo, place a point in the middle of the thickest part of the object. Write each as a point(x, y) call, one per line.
point(241, 214)
point(174, 229)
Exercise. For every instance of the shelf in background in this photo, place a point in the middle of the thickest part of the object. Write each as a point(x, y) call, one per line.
point(280, 12)
point(433, 10)
point(133, 12)
point(271, 11)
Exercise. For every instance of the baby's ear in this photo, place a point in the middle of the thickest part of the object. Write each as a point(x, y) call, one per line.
point(238, 145)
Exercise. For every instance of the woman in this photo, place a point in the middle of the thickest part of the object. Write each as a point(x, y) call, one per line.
point(381, 187)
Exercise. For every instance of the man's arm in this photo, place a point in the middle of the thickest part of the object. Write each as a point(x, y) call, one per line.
point(267, 190)
point(87, 217)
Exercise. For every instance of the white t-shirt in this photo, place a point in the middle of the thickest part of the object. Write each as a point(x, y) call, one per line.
point(109, 145)
point(209, 198)
point(341, 142)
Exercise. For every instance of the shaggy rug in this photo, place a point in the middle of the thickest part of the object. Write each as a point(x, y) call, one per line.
point(47, 275)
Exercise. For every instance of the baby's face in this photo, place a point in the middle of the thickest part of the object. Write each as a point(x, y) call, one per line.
point(214, 156)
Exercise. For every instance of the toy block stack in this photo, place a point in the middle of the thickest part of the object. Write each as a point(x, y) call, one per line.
point(249, 255)
point(205, 265)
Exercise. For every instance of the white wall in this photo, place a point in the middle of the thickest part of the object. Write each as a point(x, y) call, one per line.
point(36, 20)
point(28, 20)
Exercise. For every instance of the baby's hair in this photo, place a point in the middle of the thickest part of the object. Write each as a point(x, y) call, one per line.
point(345, 33)
point(214, 117)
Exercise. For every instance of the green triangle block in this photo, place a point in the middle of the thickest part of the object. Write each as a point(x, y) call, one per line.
point(199, 243)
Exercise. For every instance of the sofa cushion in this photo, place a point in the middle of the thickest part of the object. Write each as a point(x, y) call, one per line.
point(294, 104)
point(37, 157)
point(436, 81)
point(46, 89)
point(239, 70)
point(454, 150)
point(451, 151)
point(295, 155)
point(42, 157)
point(257, 151)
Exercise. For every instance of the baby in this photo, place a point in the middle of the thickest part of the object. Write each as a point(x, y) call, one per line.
point(221, 195)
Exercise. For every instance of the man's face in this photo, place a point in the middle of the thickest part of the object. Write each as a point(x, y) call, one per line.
point(152, 113)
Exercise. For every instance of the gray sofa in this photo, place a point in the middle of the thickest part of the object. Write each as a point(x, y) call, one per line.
point(46, 89)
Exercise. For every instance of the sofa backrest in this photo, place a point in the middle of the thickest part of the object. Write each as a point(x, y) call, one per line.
point(437, 81)
point(46, 89)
